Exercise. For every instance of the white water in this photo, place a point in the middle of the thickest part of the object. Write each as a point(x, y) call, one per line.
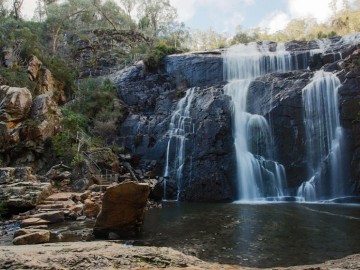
point(258, 176)
point(180, 127)
point(324, 137)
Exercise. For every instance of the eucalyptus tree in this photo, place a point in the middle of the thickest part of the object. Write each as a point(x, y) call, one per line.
point(17, 4)
point(128, 6)
point(156, 14)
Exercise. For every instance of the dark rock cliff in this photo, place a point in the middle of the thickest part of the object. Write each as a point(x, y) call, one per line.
point(150, 100)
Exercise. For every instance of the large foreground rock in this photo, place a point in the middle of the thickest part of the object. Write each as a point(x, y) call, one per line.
point(123, 210)
point(111, 255)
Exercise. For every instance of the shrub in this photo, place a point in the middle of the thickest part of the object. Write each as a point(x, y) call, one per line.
point(65, 146)
point(156, 55)
point(61, 72)
point(77, 160)
point(73, 121)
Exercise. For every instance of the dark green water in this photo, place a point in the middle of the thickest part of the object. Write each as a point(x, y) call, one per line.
point(260, 235)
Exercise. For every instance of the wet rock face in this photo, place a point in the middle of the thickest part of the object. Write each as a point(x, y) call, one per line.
point(209, 150)
point(349, 101)
point(151, 100)
point(209, 167)
point(195, 69)
point(278, 97)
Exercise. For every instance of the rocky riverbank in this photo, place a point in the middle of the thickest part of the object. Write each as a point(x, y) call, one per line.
point(112, 255)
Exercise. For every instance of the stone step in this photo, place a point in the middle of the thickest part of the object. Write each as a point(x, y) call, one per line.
point(50, 206)
point(51, 216)
point(32, 221)
point(46, 210)
point(60, 197)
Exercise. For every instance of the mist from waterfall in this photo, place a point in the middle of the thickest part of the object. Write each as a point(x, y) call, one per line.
point(258, 175)
point(180, 127)
point(324, 139)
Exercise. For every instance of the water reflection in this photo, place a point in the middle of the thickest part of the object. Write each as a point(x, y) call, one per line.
point(262, 235)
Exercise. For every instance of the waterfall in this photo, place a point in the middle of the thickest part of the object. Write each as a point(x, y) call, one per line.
point(258, 176)
point(324, 139)
point(180, 128)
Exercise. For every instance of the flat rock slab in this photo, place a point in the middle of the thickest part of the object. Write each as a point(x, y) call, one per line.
point(60, 197)
point(33, 222)
point(51, 216)
point(50, 206)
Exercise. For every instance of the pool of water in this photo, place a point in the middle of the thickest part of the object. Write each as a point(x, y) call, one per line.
point(256, 235)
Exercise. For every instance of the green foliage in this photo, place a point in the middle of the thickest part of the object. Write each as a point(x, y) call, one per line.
point(26, 36)
point(62, 72)
point(93, 112)
point(73, 121)
point(77, 160)
point(157, 54)
point(64, 145)
point(17, 76)
point(117, 149)
point(96, 96)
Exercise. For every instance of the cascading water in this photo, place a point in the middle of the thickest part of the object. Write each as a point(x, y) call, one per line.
point(180, 127)
point(324, 137)
point(258, 176)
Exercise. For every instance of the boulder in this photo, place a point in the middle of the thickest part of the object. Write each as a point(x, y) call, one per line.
point(34, 237)
point(24, 231)
point(6, 175)
point(91, 208)
point(15, 103)
point(20, 190)
point(13, 175)
point(123, 209)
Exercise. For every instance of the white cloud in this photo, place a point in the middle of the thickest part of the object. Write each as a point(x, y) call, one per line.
point(187, 8)
point(318, 9)
point(275, 21)
point(234, 20)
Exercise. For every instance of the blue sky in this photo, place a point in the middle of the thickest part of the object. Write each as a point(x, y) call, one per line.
point(225, 15)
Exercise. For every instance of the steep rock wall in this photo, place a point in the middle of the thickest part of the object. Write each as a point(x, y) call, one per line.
point(209, 171)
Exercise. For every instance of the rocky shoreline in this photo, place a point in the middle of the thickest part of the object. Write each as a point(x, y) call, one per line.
point(113, 255)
